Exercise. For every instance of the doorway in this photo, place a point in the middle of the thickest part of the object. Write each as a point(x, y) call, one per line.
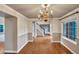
point(8, 33)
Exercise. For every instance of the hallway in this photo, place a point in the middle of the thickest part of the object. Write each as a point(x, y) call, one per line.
point(19, 23)
point(43, 45)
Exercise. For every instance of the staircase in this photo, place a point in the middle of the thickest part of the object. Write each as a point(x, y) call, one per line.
point(39, 30)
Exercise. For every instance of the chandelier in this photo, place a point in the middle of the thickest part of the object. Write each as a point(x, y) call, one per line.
point(45, 12)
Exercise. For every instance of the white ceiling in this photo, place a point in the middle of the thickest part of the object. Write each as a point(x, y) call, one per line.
point(32, 10)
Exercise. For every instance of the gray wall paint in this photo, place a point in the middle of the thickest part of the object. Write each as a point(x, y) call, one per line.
point(10, 34)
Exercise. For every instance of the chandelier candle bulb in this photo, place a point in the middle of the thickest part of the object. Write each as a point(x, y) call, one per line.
point(45, 12)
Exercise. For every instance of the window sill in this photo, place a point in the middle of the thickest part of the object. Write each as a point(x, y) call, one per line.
point(74, 42)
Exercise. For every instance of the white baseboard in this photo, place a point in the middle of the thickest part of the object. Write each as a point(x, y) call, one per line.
point(9, 51)
point(18, 49)
point(55, 41)
point(30, 41)
point(68, 48)
point(22, 47)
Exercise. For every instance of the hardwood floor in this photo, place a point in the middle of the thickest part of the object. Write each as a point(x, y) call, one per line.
point(42, 45)
point(1, 47)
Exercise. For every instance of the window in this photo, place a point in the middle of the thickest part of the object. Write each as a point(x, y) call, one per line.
point(1, 28)
point(69, 30)
point(64, 29)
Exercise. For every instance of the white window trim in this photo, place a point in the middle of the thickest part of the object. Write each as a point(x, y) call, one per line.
point(68, 39)
point(74, 42)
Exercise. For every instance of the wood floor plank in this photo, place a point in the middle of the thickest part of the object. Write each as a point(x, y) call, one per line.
point(1, 47)
point(43, 45)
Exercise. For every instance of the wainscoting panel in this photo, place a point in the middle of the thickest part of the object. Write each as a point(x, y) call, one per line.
point(22, 41)
point(56, 37)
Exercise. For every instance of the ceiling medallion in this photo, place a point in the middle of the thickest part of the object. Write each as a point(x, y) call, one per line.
point(45, 12)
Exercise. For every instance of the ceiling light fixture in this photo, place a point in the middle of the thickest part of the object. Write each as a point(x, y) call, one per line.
point(45, 12)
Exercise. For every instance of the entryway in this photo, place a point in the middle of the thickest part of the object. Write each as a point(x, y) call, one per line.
point(8, 33)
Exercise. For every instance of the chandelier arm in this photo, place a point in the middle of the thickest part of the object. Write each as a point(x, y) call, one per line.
point(45, 12)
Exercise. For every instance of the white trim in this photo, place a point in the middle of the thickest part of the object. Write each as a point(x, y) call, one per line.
point(30, 40)
point(22, 47)
point(22, 34)
point(9, 51)
point(68, 48)
point(55, 41)
point(74, 42)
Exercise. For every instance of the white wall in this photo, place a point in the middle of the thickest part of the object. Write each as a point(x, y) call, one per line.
point(29, 26)
point(22, 32)
point(55, 25)
point(55, 29)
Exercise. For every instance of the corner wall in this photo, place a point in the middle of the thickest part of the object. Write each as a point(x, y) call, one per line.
point(30, 28)
point(55, 29)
